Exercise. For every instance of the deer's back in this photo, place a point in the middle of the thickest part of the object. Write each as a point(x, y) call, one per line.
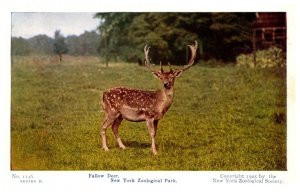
point(120, 97)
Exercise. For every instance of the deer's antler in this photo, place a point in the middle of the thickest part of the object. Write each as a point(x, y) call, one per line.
point(147, 60)
point(193, 49)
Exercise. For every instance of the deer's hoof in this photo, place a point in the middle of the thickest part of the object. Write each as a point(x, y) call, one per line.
point(105, 148)
point(155, 153)
point(123, 147)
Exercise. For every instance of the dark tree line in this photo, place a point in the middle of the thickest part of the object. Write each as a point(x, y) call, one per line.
point(220, 35)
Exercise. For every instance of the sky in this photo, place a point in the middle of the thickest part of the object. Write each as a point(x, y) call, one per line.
point(29, 24)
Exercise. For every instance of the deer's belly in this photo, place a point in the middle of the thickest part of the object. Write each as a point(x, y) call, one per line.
point(133, 114)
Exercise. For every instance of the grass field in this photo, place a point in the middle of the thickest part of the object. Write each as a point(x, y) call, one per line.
point(222, 118)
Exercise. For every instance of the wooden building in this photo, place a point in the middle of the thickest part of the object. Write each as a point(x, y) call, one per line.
point(269, 29)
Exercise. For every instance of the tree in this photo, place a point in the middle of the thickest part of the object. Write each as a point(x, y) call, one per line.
point(113, 31)
point(73, 44)
point(231, 34)
point(84, 44)
point(20, 46)
point(41, 45)
point(89, 43)
point(59, 46)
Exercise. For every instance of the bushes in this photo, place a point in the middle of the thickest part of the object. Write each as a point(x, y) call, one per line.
point(272, 57)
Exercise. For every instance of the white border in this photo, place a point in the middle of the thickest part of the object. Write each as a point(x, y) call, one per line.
point(191, 181)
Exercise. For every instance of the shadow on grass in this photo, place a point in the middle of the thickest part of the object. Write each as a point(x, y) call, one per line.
point(145, 145)
point(136, 144)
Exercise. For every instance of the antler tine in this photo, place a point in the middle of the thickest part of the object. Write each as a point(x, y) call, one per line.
point(171, 70)
point(161, 67)
point(193, 49)
point(147, 61)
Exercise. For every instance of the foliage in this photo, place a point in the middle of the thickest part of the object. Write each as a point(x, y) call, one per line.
point(114, 25)
point(84, 44)
point(231, 34)
point(19, 46)
point(220, 35)
point(122, 36)
point(37, 45)
point(41, 45)
point(224, 118)
point(272, 57)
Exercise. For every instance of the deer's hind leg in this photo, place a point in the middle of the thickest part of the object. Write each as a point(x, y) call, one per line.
point(109, 119)
point(115, 128)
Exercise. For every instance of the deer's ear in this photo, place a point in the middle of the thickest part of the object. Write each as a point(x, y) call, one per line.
point(157, 74)
point(177, 73)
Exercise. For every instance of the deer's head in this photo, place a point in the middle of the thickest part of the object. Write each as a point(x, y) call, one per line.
point(168, 78)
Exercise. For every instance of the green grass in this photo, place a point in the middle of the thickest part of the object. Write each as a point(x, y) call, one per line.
point(222, 118)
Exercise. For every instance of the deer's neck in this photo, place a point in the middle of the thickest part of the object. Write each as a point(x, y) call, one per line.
point(165, 99)
point(168, 93)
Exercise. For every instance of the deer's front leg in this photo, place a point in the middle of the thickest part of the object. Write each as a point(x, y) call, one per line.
point(152, 126)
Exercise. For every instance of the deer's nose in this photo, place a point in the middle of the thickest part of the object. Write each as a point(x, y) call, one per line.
point(168, 85)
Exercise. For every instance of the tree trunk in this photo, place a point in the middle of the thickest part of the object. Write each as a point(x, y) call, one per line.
point(254, 47)
point(106, 61)
point(60, 57)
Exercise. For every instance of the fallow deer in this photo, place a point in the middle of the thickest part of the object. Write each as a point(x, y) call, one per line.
point(141, 105)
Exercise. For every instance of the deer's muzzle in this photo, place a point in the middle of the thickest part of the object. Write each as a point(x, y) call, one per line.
point(168, 85)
